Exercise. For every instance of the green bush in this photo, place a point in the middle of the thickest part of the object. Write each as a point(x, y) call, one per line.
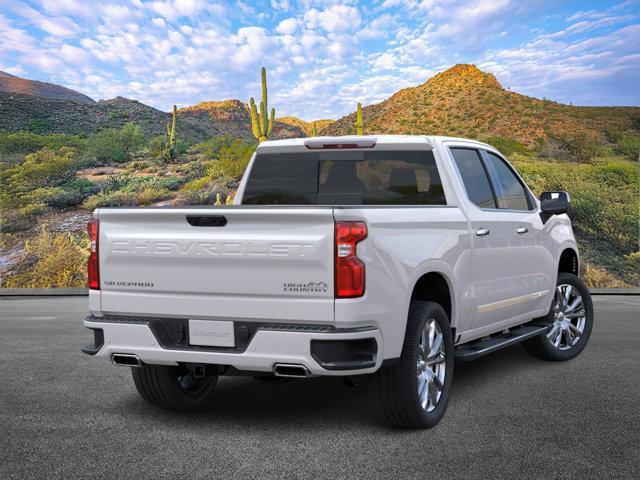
point(206, 195)
point(28, 142)
point(116, 145)
point(213, 147)
point(40, 125)
point(44, 169)
point(604, 207)
point(68, 195)
point(507, 146)
point(53, 260)
point(126, 199)
point(157, 145)
point(629, 146)
point(24, 218)
point(581, 146)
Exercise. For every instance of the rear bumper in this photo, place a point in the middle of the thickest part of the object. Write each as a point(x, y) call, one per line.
point(269, 344)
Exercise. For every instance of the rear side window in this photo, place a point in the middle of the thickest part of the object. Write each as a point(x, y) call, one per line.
point(509, 190)
point(345, 178)
point(474, 176)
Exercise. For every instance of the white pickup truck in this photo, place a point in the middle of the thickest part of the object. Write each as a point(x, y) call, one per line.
point(344, 256)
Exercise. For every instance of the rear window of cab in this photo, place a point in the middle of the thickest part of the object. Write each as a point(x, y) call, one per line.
point(345, 178)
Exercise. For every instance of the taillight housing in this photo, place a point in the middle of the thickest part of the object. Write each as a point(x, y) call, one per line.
point(93, 266)
point(349, 269)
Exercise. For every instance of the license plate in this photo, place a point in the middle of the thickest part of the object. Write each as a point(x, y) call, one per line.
point(211, 333)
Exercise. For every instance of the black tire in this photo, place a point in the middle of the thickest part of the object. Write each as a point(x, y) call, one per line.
point(395, 389)
point(172, 387)
point(542, 347)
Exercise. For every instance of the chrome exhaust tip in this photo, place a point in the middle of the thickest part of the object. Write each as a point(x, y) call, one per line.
point(290, 370)
point(126, 360)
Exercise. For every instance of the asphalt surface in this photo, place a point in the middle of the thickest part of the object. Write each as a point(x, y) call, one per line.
point(66, 415)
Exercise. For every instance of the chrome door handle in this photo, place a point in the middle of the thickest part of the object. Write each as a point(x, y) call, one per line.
point(481, 232)
point(522, 230)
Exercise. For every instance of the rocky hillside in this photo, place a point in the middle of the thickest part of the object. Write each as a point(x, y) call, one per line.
point(464, 101)
point(12, 84)
point(306, 126)
point(47, 108)
point(231, 117)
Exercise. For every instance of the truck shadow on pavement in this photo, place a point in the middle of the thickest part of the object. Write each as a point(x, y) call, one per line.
point(326, 402)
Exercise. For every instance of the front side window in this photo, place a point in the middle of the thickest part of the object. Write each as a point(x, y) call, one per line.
point(345, 178)
point(509, 190)
point(474, 176)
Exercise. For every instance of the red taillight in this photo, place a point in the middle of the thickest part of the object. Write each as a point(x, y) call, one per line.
point(93, 267)
point(349, 268)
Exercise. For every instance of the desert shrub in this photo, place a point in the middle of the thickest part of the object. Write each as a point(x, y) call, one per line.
point(28, 142)
point(118, 198)
point(43, 169)
point(580, 146)
point(19, 219)
point(206, 195)
point(507, 146)
point(171, 183)
point(157, 145)
point(233, 161)
point(138, 165)
point(116, 145)
point(68, 195)
point(51, 261)
point(604, 208)
point(116, 182)
point(629, 146)
point(225, 146)
point(596, 277)
point(40, 125)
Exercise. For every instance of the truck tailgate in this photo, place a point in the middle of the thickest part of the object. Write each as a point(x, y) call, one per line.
point(263, 264)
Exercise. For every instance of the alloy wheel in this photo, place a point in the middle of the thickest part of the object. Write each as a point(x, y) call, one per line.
point(430, 365)
point(569, 317)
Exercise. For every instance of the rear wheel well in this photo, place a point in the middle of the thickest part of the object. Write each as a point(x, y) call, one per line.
point(568, 262)
point(433, 287)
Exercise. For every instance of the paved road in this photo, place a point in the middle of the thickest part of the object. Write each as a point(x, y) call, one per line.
point(65, 415)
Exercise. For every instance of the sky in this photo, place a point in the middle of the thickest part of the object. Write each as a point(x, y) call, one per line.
point(322, 56)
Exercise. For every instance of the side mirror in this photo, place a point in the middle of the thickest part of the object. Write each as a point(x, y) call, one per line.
point(554, 203)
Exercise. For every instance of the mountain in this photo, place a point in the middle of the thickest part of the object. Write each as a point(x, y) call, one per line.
point(231, 117)
point(47, 108)
point(306, 126)
point(16, 85)
point(464, 101)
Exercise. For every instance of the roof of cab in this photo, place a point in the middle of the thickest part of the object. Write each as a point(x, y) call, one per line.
point(384, 141)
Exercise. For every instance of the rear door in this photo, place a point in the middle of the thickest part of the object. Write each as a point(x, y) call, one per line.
point(256, 264)
point(507, 260)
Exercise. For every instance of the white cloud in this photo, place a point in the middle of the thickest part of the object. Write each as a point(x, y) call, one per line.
point(386, 61)
point(378, 27)
point(280, 5)
point(159, 22)
point(338, 18)
point(56, 26)
point(287, 26)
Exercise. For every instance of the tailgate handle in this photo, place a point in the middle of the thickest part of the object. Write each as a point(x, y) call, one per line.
point(207, 221)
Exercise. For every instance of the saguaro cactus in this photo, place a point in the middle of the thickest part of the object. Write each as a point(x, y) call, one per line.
point(314, 130)
point(359, 124)
point(260, 124)
point(171, 135)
